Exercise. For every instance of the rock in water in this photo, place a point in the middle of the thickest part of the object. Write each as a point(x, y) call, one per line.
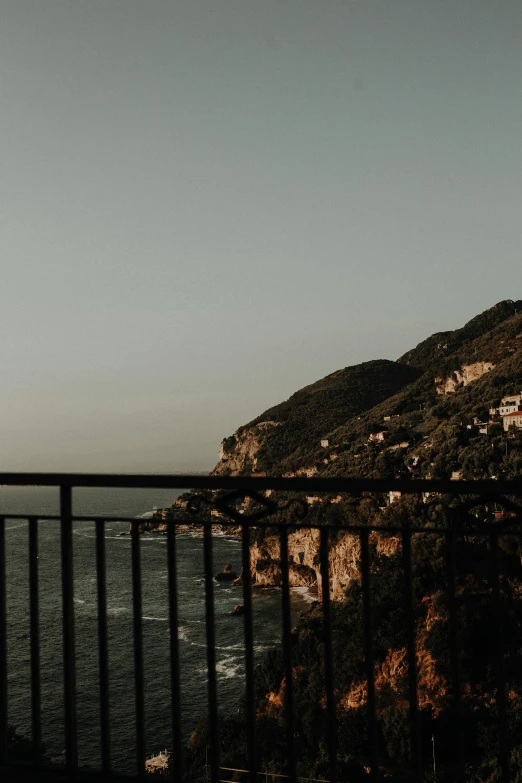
point(226, 575)
point(238, 610)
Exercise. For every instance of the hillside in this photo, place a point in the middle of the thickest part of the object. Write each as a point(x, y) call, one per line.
point(443, 344)
point(433, 411)
point(287, 433)
point(427, 403)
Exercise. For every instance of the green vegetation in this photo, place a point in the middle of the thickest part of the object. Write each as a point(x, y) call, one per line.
point(430, 351)
point(428, 435)
point(321, 407)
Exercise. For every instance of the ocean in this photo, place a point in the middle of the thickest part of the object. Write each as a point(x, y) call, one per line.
point(191, 631)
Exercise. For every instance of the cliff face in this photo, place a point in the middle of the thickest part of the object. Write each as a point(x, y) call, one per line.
point(466, 374)
point(303, 560)
point(304, 567)
point(238, 453)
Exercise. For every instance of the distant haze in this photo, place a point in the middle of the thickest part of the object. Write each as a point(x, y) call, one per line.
point(206, 205)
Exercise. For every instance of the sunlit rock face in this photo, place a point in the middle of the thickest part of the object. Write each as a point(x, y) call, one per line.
point(467, 374)
point(238, 453)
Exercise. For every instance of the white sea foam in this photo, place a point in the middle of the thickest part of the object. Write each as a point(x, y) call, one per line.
point(228, 667)
point(159, 619)
point(183, 634)
point(305, 593)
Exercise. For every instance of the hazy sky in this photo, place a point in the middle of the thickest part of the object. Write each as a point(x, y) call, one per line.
point(207, 204)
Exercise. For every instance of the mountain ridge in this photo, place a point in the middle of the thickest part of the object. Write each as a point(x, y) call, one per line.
point(323, 427)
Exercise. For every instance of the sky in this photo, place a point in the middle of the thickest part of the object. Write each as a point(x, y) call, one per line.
point(207, 204)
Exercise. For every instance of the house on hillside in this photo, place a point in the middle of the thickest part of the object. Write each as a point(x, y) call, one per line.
point(378, 437)
point(511, 404)
point(325, 443)
point(512, 420)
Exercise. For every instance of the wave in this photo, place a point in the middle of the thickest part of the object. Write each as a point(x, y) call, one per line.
point(159, 619)
point(305, 593)
point(227, 668)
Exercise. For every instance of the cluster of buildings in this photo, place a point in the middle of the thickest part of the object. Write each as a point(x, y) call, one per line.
point(510, 411)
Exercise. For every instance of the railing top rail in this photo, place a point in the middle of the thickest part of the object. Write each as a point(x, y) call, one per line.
point(247, 483)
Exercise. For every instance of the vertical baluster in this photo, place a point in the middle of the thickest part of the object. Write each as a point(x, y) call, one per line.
point(368, 652)
point(103, 648)
point(71, 731)
point(499, 662)
point(175, 684)
point(3, 646)
point(211, 655)
point(287, 656)
point(454, 652)
point(249, 654)
point(412, 659)
point(328, 656)
point(34, 621)
point(139, 679)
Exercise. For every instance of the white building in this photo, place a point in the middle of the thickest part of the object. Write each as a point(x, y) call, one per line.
point(378, 437)
point(512, 419)
point(511, 404)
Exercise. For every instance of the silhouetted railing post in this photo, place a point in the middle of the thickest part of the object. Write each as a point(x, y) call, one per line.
point(368, 651)
point(3, 646)
point(175, 684)
point(103, 646)
point(287, 655)
point(499, 661)
point(36, 723)
point(415, 743)
point(138, 648)
point(328, 657)
point(69, 658)
point(211, 655)
point(249, 653)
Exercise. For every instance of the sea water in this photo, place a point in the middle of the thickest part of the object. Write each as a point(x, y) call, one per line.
point(191, 631)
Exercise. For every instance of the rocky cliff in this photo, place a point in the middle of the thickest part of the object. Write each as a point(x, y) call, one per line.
point(425, 406)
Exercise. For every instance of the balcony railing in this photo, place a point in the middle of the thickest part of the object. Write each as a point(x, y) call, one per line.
point(461, 521)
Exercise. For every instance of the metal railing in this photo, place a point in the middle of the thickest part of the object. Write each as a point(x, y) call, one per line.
point(264, 516)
